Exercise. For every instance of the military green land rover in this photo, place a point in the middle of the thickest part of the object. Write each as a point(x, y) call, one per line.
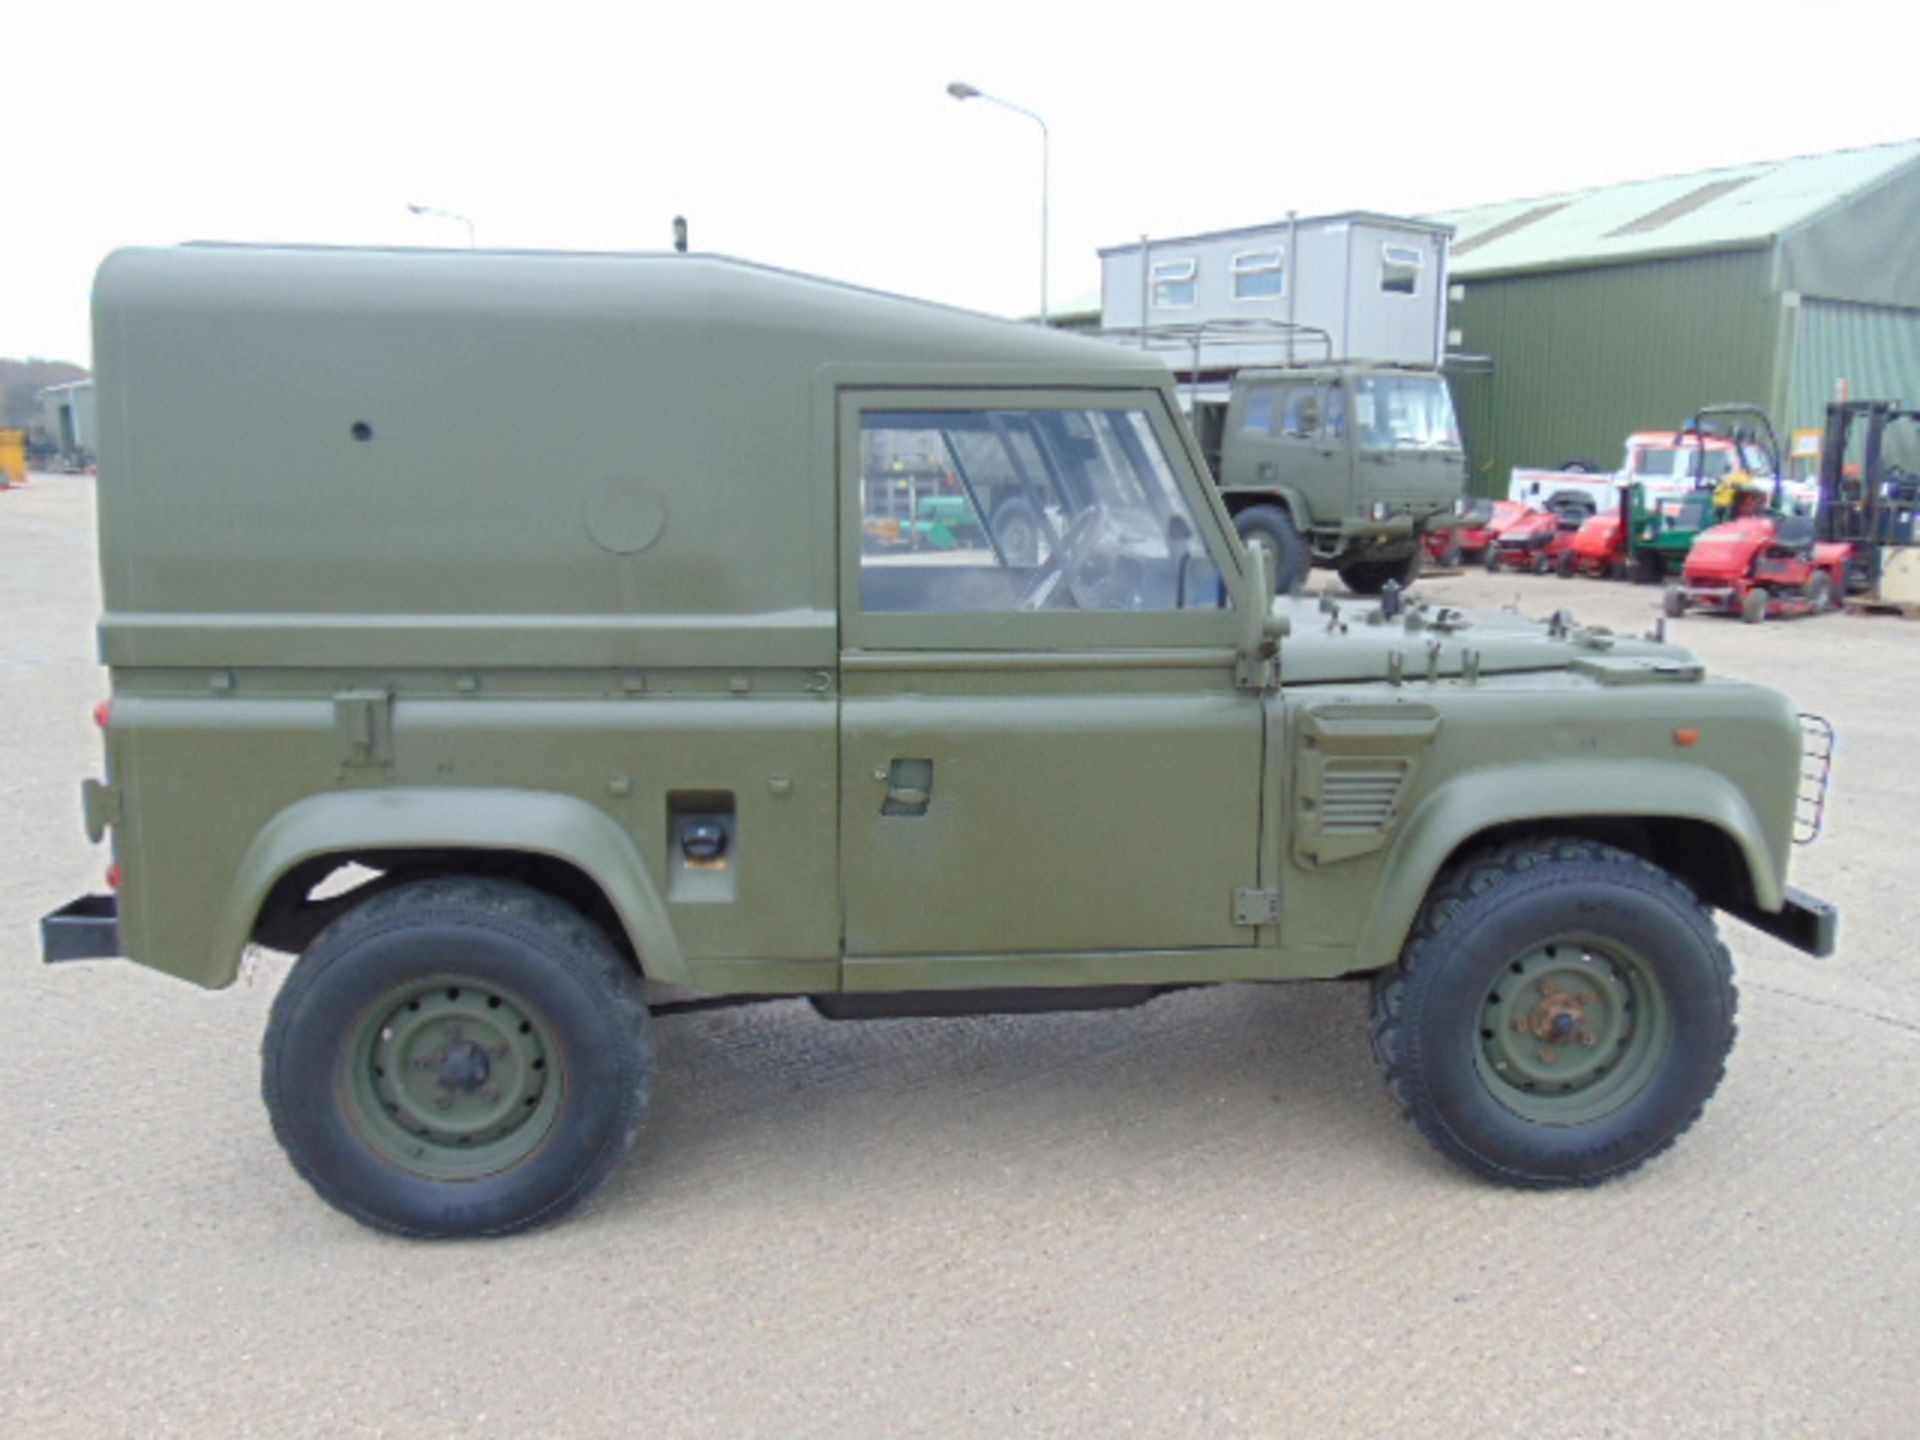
point(549, 643)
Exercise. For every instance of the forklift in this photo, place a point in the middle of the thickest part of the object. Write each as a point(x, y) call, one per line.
point(1872, 507)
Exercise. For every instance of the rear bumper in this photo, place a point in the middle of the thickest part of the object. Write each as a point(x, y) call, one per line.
point(1805, 922)
point(84, 929)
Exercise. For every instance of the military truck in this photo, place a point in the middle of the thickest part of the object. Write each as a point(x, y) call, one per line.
point(1346, 466)
point(521, 667)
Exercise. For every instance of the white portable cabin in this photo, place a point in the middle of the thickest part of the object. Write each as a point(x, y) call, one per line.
point(1356, 286)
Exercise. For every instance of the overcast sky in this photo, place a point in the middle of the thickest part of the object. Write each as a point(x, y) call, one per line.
point(820, 137)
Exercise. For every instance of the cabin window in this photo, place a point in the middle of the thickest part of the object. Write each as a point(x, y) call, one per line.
point(1259, 275)
point(1012, 510)
point(1176, 285)
point(1400, 269)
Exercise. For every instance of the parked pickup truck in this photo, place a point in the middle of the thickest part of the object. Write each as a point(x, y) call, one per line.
point(530, 661)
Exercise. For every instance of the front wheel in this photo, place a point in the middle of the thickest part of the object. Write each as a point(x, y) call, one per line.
point(1753, 606)
point(1271, 527)
point(1673, 602)
point(1568, 565)
point(457, 1057)
point(1370, 577)
point(1561, 1014)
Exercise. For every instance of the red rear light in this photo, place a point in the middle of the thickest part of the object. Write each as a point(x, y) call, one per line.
point(113, 876)
point(103, 713)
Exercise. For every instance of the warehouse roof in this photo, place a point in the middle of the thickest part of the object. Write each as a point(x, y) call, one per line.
point(1742, 205)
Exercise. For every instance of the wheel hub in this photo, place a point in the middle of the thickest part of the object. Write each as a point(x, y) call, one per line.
point(450, 1069)
point(1558, 1026)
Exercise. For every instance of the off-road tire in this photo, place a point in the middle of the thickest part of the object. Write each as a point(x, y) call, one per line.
point(1273, 527)
point(1370, 577)
point(535, 986)
point(1524, 900)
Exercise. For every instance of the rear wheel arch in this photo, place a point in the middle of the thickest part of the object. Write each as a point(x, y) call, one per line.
point(290, 919)
point(557, 844)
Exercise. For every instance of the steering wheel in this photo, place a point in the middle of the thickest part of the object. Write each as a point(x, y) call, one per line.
point(1066, 558)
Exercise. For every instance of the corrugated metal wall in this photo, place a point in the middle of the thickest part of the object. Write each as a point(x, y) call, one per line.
point(1874, 348)
point(1582, 358)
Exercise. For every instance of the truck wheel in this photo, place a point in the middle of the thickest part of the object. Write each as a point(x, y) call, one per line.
point(1753, 606)
point(1674, 602)
point(1561, 1014)
point(1271, 528)
point(1016, 526)
point(457, 1057)
point(1370, 577)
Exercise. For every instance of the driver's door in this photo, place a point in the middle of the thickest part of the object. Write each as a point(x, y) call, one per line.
point(1042, 748)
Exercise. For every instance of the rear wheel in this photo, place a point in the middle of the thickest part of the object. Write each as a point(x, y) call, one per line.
point(1819, 591)
point(1493, 558)
point(1567, 566)
point(1272, 529)
point(1561, 1013)
point(457, 1057)
point(1450, 553)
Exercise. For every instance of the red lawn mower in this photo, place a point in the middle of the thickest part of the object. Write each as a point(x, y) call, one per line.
point(1762, 566)
point(1536, 539)
point(1471, 542)
point(1599, 547)
point(1759, 563)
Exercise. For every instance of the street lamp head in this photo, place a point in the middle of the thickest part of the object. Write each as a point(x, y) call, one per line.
point(960, 90)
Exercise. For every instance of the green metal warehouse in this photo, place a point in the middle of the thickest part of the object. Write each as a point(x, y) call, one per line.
point(1576, 319)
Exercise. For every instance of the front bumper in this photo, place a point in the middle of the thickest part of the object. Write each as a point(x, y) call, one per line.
point(84, 929)
point(1805, 922)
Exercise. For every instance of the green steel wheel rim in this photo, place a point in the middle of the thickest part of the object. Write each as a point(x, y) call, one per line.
point(1572, 1030)
point(450, 1078)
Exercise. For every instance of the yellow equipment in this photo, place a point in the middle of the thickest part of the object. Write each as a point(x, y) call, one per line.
point(13, 457)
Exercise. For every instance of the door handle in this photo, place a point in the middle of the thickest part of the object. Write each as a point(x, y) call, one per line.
point(909, 787)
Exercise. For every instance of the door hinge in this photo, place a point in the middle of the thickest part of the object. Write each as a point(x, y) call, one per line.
point(364, 719)
point(1256, 907)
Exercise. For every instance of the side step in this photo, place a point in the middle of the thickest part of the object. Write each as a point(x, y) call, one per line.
point(937, 1003)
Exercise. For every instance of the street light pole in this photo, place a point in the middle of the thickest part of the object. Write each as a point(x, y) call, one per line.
point(960, 90)
point(443, 215)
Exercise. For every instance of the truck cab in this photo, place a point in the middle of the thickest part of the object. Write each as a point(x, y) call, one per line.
point(1346, 466)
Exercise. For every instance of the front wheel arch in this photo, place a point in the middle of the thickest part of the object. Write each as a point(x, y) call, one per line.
point(1700, 833)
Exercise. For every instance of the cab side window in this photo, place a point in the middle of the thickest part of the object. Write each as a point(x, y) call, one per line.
point(1012, 510)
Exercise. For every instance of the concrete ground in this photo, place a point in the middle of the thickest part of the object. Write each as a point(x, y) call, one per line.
point(1197, 1218)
